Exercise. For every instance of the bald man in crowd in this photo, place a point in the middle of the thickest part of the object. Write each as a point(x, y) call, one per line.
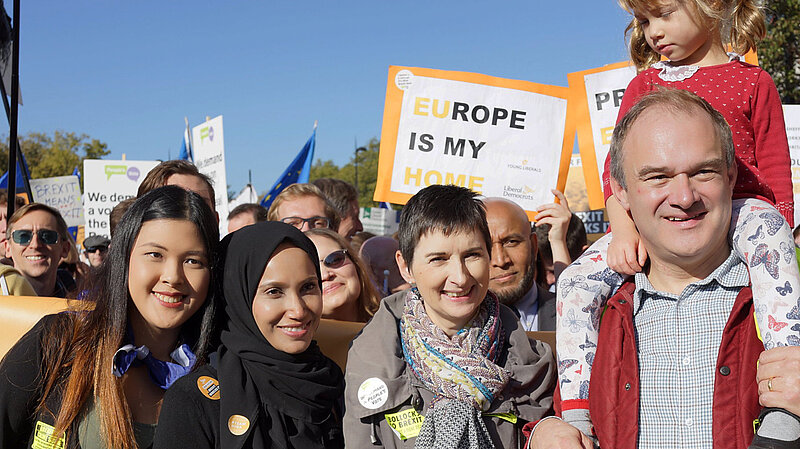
point(513, 266)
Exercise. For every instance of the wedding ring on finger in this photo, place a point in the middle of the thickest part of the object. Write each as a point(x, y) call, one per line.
point(769, 384)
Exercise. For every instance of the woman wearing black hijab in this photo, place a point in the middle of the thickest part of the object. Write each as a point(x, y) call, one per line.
point(270, 386)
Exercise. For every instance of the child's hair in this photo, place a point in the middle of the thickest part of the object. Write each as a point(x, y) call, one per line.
point(449, 209)
point(78, 349)
point(741, 25)
point(368, 299)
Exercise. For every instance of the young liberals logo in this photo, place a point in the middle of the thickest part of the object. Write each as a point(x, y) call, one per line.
point(524, 166)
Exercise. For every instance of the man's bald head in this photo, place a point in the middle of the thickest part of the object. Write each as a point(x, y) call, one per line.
point(514, 246)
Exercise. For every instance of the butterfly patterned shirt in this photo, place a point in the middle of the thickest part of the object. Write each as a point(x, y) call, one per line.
point(678, 340)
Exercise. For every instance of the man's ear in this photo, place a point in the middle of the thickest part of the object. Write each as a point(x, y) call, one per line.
point(534, 244)
point(405, 269)
point(620, 194)
point(733, 172)
point(7, 248)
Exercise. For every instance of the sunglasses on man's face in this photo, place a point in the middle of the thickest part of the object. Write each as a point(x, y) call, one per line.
point(24, 236)
point(94, 249)
point(335, 259)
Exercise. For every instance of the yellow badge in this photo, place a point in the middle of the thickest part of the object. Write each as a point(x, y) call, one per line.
point(209, 387)
point(510, 417)
point(43, 437)
point(405, 423)
point(238, 424)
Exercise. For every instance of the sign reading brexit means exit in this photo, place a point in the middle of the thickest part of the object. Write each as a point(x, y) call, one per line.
point(496, 136)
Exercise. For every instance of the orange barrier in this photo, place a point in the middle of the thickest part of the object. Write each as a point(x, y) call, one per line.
point(18, 314)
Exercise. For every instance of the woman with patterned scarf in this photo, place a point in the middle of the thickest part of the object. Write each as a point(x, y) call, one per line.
point(444, 365)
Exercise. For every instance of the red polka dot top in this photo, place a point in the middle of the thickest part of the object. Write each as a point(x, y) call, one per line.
point(749, 101)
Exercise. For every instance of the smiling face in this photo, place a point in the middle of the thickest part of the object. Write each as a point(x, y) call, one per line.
point(168, 277)
point(513, 245)
point(340, 285)
point(37, 261)
point(674, 30)
point(678, 187)
point(288, 301)
point(452, 275)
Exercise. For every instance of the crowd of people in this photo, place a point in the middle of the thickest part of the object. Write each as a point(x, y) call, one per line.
point(681, 328)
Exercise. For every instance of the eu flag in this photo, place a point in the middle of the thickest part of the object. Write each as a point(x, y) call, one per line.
point(296, 172)
point(186, 146)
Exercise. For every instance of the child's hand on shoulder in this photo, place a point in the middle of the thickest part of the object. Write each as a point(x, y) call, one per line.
point(626, 253)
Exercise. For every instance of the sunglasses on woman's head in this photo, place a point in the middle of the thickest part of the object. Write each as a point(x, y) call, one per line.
point(24, 236)
point(335, 259)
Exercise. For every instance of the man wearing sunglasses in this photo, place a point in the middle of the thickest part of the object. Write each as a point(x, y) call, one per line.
point(36, 242)
point(96, 248)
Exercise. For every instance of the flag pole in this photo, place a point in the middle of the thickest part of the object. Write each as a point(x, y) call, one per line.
point(12, 155)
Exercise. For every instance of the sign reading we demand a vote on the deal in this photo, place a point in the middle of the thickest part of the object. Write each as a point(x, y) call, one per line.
point(106, 184)
point(498, 137)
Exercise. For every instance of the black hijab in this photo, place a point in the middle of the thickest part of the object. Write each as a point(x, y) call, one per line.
point(286, 400)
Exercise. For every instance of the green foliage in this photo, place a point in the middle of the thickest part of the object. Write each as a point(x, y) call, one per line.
point(779, 52)
point(367, 172)
point(57, 155)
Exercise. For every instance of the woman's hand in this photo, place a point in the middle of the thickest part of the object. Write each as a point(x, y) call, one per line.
point(557, 434)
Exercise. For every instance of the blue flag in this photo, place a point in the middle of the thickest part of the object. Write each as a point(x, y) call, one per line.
point(19, 181)
point(186, 146)
point(297, 172)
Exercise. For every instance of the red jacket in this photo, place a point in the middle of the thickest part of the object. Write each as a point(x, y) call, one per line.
point(614, 387)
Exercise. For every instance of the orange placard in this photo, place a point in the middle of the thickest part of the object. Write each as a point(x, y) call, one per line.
point(594, 97)
point(497, 136)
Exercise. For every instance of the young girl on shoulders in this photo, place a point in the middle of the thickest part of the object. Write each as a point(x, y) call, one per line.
point(692, 36)
point(94, 377)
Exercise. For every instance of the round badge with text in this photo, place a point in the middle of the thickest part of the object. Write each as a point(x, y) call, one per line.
point(373, 393)
point(238, 424)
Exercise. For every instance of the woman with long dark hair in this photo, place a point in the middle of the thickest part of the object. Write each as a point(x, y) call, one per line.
point(95, 376)
point(271, 386)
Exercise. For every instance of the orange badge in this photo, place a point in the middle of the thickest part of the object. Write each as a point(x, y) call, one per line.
point(238, 424)
point(209, 387)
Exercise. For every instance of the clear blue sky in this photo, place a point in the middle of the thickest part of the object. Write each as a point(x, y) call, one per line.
point(127, 72)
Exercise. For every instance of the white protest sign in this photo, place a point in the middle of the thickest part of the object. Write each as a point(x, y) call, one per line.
point(495, 136)
point(379, 221)
point(62, 193)
point(209, 157)
point(791, 113)
point(106, 184)
point(597, 95)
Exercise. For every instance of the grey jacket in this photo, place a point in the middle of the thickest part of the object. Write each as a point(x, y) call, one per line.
point(376, 370)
